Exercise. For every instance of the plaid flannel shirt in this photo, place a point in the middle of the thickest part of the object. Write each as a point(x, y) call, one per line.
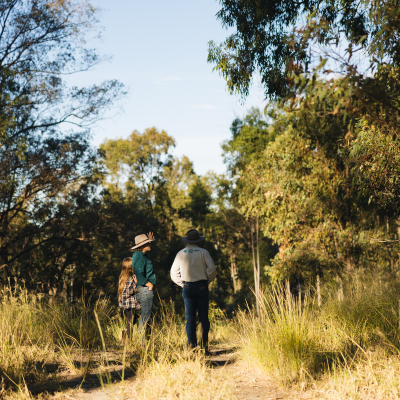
point(128, 299)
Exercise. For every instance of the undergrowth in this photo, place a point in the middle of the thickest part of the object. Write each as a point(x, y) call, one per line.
point(299, 342)
point(35, 331)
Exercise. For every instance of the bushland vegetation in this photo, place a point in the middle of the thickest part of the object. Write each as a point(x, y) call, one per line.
point(304, 227)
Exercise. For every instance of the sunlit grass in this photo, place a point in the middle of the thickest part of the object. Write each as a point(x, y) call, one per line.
point(346, 348)
point(299, 342)
point(81, 336)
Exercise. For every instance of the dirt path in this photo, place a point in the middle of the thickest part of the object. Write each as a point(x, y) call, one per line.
point(246, 384)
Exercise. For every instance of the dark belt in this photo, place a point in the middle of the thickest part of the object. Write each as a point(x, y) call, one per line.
point(187, 284)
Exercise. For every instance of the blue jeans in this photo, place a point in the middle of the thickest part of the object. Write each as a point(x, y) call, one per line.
point(145, 298)
point(195, 295)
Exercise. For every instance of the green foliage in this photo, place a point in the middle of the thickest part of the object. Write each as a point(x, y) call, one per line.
point(288, 189)
point(249, 138)
point(376, 158)
point(140, 160)
point(261, 41)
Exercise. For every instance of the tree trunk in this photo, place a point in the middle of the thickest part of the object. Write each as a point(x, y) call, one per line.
point(318, 288)
point(254, 263)
point(340, 287)
point(233, 273)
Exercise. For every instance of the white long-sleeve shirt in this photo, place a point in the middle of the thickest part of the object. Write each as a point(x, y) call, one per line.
point(193, 264)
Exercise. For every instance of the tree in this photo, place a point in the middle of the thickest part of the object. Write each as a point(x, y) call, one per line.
point(281, 40)
point(238, 232)
point(334, 66)
point(41, 42)
point(139, 161)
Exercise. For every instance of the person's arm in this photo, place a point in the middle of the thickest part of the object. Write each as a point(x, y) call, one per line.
point(211, 270)
point(176, 272)
point(150, 275)
point(139, 270)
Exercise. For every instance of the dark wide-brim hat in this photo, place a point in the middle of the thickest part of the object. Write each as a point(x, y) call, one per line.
point(193, 237)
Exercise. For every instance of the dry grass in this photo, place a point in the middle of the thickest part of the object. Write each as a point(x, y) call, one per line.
point(81, 338)
point(187, 378)
point(344, 350)
point(373, 377)
point(300, 343)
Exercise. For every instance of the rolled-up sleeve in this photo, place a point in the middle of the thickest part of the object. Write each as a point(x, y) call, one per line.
point(176, 272)
point(210, 269)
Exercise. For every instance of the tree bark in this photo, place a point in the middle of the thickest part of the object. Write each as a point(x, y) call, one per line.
point(233, 273)
point(318, 288)
point(254, 264)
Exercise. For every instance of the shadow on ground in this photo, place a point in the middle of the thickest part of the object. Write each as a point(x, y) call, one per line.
point(92, 373)
point(221, 357)
point(56, 378)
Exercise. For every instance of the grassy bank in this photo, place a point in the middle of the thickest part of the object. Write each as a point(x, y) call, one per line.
point(43, 342)
point(342, 349)
point(350, 343)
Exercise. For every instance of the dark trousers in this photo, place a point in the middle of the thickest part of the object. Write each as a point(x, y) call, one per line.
point(195, 296)
point(131, 319)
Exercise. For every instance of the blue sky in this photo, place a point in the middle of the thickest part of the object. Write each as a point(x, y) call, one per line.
point(159, 51)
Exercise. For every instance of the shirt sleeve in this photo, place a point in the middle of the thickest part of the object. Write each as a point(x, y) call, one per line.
point(176, 272)
point(139, 270)
point(210, 267)
point(150, 275)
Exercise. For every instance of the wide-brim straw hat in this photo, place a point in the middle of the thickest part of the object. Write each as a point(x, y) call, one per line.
point(193, 237)
point(140, 240)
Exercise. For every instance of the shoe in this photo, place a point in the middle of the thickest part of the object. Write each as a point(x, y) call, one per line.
point(123, 339)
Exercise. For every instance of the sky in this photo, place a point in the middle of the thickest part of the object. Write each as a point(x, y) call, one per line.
point(159, 52)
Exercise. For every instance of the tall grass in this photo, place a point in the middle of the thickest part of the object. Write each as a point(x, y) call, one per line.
point(76, 322)
point(34, 331)
point(297, 341)
point(25, 337)
point(167, 368)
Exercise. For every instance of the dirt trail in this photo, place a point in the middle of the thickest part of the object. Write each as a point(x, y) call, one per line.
point(246, 384)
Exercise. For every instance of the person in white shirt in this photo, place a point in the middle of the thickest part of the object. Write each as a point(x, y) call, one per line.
point(193, 269)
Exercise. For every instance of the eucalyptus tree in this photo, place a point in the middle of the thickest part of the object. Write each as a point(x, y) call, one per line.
point(44, 147)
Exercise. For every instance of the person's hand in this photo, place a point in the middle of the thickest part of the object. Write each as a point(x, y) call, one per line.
point(150, 235)
point(149, 285)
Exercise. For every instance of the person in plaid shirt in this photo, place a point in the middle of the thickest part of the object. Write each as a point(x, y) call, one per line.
point(126, 295)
